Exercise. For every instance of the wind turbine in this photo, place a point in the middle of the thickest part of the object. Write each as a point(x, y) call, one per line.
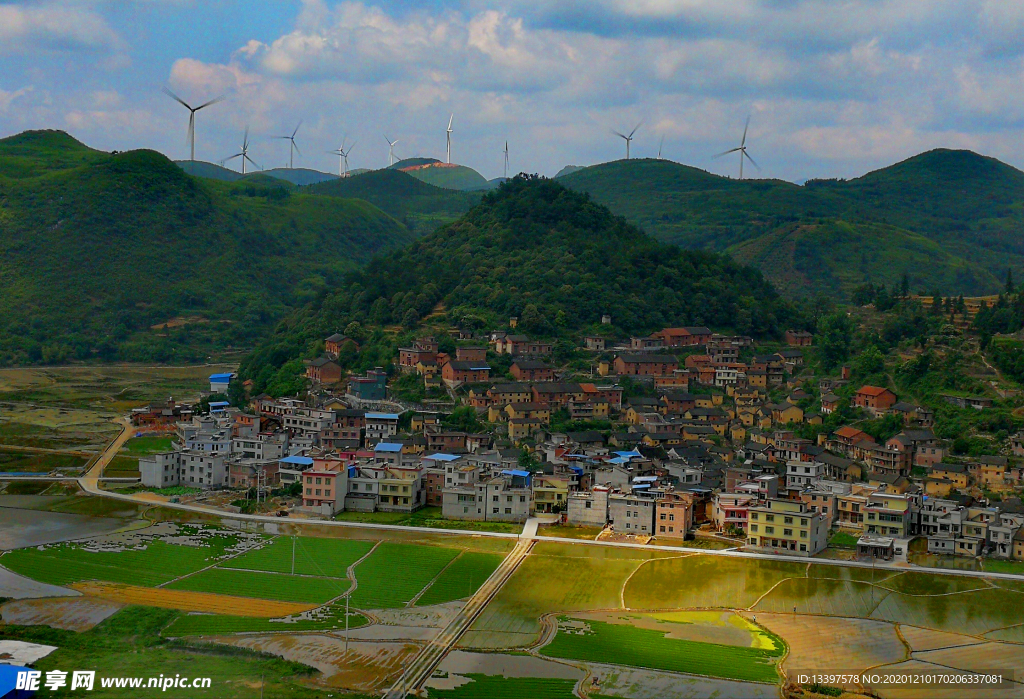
point(506, 160)
point(448, 133)
point(628, 138)
point(391, 150)
point(742, 150)
point(191, 118)
point(244, 154)
point(343, 157)
point(293, 147)
point(662, 143)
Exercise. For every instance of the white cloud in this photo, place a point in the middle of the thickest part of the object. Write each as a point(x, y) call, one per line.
point(54, 27)
point(6, 98)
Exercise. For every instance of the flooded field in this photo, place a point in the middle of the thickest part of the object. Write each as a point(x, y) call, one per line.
point(20, 528)
point(68, 613)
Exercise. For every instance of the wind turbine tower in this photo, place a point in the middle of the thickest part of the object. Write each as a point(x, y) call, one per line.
point(742, 150)
point(293, 148)
point(342, 154)
point(448, 133)
point(244, 154)
point(391, 150)
point(628, 138)
point(506, 160)
point(191, 118)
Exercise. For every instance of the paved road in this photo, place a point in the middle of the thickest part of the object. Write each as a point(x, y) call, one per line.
point(430, 657)
point(90, 481)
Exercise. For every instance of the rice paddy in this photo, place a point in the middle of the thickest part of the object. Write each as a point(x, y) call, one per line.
point(460, 579)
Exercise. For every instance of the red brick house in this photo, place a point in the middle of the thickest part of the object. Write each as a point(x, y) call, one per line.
point(457, 373)
point(645, 364)
point(409, 357)
point(323, 370)
point(532, 370)
point(335, 342)
point(874, 399)
point(471, 354)
point(684, 337)
point(522, 345)
point(557, 394)
point(798, 338)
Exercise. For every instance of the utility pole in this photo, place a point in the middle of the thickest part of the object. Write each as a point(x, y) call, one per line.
point(347, 597)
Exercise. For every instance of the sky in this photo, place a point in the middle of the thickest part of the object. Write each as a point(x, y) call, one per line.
point(833, 88)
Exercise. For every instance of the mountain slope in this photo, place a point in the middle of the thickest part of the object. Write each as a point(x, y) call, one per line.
point(421, 207)
point(299, 176)
point(969, 205)
point(199, 168)
point(444, 175)
point(126, 256)
point(548, 255)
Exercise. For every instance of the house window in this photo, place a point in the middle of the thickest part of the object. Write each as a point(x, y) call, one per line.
point(787, 520)
point(753, 527)
point(769, 530)
point(787, 532)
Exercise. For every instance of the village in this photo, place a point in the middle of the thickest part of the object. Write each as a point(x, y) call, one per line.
point(683, 435)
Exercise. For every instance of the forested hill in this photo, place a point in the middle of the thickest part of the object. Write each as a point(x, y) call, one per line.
point(548, 255)
point(949, 219)
point(125, 256)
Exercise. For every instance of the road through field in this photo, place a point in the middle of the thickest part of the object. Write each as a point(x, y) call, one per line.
point(90, 481)
point(423, 666)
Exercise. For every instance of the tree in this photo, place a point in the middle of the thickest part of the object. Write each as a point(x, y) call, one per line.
point(905, 285)
point(1009, 280)
point(835, 335)
point(870, 362)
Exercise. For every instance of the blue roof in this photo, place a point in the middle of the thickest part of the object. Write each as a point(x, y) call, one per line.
point(442, 457)
point(388, 446)
point(219, 404)
point(516, 472)
point(381, 416)
point(619, 460)
point(629, 453)
point(298, 460)
point(645, 479)
point(220, 378)
point(576, 469)
point(641, 486)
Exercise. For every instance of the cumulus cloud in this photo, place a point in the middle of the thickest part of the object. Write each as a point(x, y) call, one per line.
point(54, 27)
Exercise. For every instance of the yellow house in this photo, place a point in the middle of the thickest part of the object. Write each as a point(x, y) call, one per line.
point(785, 412)
point(523, 428)
point(813, 419)
point(533, 411)
point(938, 487)
point(550, 492)
point(738, 433)
point(956, 473)
point(496, 412)
point(706, 401)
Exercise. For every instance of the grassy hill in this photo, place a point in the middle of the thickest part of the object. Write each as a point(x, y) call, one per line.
point(444, 175)
point(199, 168)
point(298, 176)
point(421, 207)
point(125, 256)
point(968, 205)
point(546, 254)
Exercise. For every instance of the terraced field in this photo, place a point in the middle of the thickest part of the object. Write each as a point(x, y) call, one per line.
point(321, 557)
point(331, 618)
point(273, 586)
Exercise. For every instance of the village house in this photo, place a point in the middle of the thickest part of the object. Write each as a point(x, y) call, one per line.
point(645, 364)
point(532, 370)
point(798, 338)
point(786, 526)
point(323, 370)
point(874, 399)
point(674, 514)
point(684, 337)
point(455, 373)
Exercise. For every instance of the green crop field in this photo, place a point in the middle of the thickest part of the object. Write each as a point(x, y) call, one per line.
point(26, 462)
point(623, 644)
point(395, 573)
point(705, 581)
point(823, 596)
point(214, 624)
point(157, 563)
point(321, 557)
point(275, 586)
point(143, 446)
point(925, 584)
point(122, 467)
point(497, 687)
point(554, 578)
point(461, 579)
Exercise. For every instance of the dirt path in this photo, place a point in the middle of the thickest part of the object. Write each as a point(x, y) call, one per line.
point(90, 481)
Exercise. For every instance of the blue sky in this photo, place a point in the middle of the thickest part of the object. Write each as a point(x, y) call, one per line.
point(834, 88)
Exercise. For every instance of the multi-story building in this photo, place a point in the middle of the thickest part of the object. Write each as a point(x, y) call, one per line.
point(674, 514)
point(632, 513)
point(786, 526)
point(729, 510)
point(380, 426)
point(185, 468)
point(588, 507)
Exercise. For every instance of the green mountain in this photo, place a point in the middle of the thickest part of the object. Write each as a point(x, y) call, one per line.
point(199, 168)
point(299, 176)
point(444, 175)
point(568, 170)
point(125, 256)
point(970, 206)
point(421, 207)
point(544, 253)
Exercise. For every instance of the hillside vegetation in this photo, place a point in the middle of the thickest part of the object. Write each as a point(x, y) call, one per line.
point(967, 204)
point(125, 256)
point(421, 207)
point(548, 255)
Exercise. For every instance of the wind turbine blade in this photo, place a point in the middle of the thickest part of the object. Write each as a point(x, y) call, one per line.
point(751, 160)
point(296, 147)
point(245, 139)
point(387, 139)
point(745, 127)
point(450, 121)
point(215, 100)
point(620, 135)
point(351, 147)
point(253, 162)
point(635, 128)
point(731, 150)
point(167, 91)
point(296, 128)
